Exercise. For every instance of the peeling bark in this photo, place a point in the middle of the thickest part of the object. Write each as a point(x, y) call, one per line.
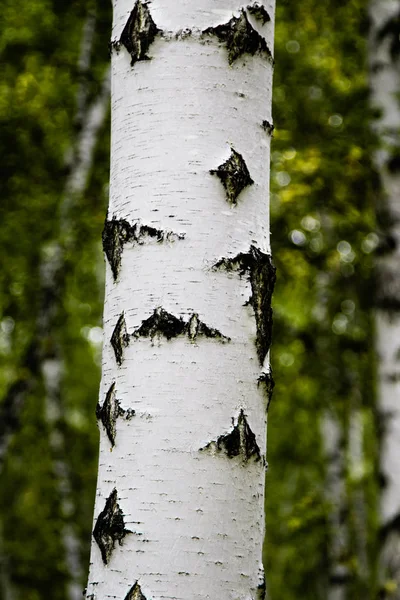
point(110, 527)
point(139, 32)
point(117, 233)
point(234, 176)
point(262, 277)
point(241, 441)
point(135, 593)
point(110, 411)
point(240, 38)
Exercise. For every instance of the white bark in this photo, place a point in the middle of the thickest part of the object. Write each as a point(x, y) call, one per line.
point(195, 515)
point(385, 84)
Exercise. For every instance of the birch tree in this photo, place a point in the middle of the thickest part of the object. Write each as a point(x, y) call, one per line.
point(385, 80)
point(186, 380)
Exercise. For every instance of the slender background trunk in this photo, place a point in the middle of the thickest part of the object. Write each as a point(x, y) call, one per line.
point(385, 82)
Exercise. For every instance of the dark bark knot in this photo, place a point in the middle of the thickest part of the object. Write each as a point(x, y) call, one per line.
point(117, 233)
point(110, 527)
point(240, 38)
point(110, 411)
point(234, 176)
point(163, 324)
point(119, 339)
point(241, 441)
point(268, 127)
point(139, 32)
point(261, 272)
point(135, 593)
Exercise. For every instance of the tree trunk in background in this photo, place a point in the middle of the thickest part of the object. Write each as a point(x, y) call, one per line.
point(385, 85)
point(44, 360)
point(332, 436)
point(186, 381)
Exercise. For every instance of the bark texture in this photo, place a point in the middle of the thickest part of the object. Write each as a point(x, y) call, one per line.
point(187, 319)
point(385, 82)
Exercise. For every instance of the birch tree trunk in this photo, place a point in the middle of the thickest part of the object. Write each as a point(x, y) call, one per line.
point(385, 82)
point(186, 382)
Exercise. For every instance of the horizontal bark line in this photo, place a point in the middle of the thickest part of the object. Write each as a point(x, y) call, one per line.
point(162, 324)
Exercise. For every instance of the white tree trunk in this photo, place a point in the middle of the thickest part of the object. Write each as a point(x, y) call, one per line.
point(385, 85)
point(187, 321)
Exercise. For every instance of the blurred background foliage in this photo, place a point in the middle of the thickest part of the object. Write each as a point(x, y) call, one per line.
point(323, 241)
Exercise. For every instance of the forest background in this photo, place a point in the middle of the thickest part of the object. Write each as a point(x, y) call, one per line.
point(321, 501)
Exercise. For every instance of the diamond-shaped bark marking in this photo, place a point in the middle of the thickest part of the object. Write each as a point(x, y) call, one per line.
point(241, 441)
point(110, 527)
point(259, 12)
point(240, 38)
point(135, 593)
point(234, 175)
point(110, 411)
point(139, 32)
point(115, 235)
point(119, 339)
point(261, 272)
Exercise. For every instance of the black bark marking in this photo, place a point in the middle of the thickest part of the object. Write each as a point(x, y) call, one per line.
point(135, 593)
point(267, 383)
point(163, 323)
point(268, 127)
point(234, 175)
point(240, 38)
point(259, 12)
point(116, 233)
point(196, 328)
point(119, 339)
point(262, 279)
point(110, 411)
point(139, 32)
point(241, 441)
point(261, 590)
point(110, 527)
